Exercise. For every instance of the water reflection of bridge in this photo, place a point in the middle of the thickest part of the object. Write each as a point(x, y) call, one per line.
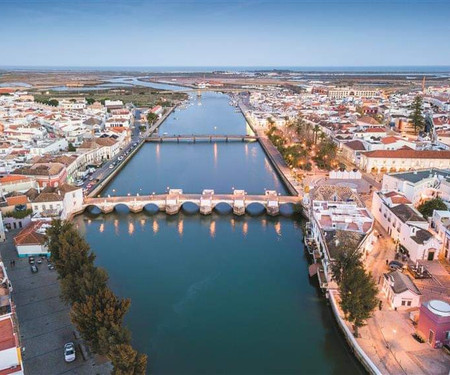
point(202, 138)
point(172, 201)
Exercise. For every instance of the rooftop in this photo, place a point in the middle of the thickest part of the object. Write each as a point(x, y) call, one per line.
point(417, 176)
point(401, 282)
point(406, 213)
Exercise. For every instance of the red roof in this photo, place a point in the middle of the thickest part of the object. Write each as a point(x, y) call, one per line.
point(375, 130)
point(389, 140)
point(30, 236)
point(19, 199)
point(408, 154)
point(7, 339)
point(11, 178)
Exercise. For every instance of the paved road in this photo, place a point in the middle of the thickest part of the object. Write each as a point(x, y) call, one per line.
point(44, 322)
point(105, 170)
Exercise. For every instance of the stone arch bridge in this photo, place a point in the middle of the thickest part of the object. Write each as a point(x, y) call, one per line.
point(171, 202)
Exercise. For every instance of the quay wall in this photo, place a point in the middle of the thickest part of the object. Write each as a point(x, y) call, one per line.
point(271, 154)
point(363, 358)
point(350, 338)
point(102, 184)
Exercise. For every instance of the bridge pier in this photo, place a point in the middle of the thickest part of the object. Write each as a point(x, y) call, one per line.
point(206, 202)
point(239, 202)
point(272, 204)
point(173, 204)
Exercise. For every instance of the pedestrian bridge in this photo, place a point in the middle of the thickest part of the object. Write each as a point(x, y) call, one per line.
point(202, 138)
point(171, 202)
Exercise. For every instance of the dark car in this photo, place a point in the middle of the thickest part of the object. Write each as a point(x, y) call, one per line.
point(31, 260)
point(395, 265)
point(34, 268)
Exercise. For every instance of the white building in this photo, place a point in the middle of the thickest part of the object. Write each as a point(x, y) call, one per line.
point(440, 222)
point(339, 222)
point(10, 351)
point(400, 290)
point(58, 202)
point(31, 240)
point(419, 185)
point(406, 225)
point(51, 146)
point(403, 160)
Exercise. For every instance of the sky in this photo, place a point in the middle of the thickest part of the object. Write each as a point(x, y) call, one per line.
point(224, 33)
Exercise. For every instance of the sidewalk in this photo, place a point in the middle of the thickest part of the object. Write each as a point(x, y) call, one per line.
point(44, 322)
point(387, 337)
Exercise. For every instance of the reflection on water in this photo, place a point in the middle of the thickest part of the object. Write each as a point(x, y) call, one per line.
point(140, 221)
point(155, 226)
point(203, 293)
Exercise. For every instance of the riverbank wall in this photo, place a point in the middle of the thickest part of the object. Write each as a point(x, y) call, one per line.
point(285, 174)
point(274, 156)
point(359, 353)
point(102, 184)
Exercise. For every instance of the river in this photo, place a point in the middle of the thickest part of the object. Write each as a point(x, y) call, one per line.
point(215, 294)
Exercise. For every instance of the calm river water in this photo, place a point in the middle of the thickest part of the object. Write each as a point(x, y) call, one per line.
point(215, 294)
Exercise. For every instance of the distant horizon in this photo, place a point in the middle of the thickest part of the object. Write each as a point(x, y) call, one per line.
point(241, 68)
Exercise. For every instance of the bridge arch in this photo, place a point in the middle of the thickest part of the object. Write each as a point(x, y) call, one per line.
point(92, 209)
point(122, 208)
point(288, 209)
point(255, 209)
point(223, 208)
point(151, 208)
point(190, 207)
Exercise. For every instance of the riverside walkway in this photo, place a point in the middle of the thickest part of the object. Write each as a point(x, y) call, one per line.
point(172, 201)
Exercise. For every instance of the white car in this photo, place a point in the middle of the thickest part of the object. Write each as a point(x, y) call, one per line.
point(111, 166)
point(69, 352)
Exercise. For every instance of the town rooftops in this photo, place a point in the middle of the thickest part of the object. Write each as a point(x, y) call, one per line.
point(355, 145)
point(47, 169)
point(401, 283)
point(421, 236)
point(408, 154)
point(54, 194)
point(335, 193)
point(33, 234)
point(339, 241)
point(406, 213)
point(420, 175)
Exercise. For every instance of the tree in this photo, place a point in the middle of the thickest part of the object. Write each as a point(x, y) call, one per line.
point(90, 101)
point(151, 117)
point(88, 281)
point(427, 208)
point(416, 116)
point(71, 147)
point(99, 316)
point(316, 130)
point(358, 293)
point(357, 288)
point(127, 361)
point(346, 261)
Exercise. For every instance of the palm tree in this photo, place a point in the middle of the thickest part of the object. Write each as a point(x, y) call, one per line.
point(316, 130)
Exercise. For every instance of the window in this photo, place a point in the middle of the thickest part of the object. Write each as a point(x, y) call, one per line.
point(409, 303)
point(403, 303)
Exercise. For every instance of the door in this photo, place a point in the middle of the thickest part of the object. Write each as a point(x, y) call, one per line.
point(430, 255)
point(431, 337)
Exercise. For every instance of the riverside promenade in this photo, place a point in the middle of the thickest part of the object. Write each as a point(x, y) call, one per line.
point(286, 174)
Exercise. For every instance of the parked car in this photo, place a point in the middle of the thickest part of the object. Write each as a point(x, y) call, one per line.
point(111, 166)
point(69, 352)
point(31, 260)
point(395, 265)
point(34, 268)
